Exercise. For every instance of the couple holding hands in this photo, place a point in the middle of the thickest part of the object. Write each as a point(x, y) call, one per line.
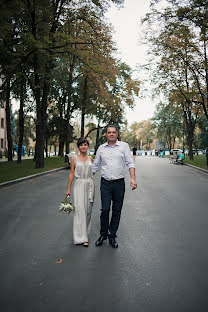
point(112, 156)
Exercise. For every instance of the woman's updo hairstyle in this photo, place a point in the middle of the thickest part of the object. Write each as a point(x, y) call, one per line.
point(81, 141)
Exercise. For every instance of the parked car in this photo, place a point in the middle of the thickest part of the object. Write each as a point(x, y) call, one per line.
point(176, 150)
point(198, 152)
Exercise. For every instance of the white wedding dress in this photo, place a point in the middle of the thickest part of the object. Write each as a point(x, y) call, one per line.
point(83, 195)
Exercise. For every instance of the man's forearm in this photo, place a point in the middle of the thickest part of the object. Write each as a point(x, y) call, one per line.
point(133, 183)
point(132, 173)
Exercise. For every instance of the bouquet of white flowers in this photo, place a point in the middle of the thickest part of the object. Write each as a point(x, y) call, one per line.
point(66, 205)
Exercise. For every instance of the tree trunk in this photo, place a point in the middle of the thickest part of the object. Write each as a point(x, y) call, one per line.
point(190, 145)
point(46, 146)
point(8, 109)
point(190, 138)
point(84, 101)
point(206, 78)
point(97, 138)
point(170, 139)
point(61, 148)
point(82, 123)
point(39, 147)
point(190, 126)
point(62, 132)
point(42, 120)
point(68, 113)
point(21, 122)
point(67, 136)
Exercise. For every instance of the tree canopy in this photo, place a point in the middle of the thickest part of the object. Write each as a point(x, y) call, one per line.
point(60, 54)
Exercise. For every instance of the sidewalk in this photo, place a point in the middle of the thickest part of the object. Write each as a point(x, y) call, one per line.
point(15, 158)
point(31, 176)
point(23, 157)
point(198, 168)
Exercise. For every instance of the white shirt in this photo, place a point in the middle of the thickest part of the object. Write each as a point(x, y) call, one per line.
point(112, 160)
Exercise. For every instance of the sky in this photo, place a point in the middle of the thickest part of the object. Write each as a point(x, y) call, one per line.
point(127, 31)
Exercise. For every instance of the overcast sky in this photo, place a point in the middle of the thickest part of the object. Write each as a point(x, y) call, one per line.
point(128, 29)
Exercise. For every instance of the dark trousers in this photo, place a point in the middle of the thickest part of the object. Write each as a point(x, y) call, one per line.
point(111, 192)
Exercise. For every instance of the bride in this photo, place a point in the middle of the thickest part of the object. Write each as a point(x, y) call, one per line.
point(83, 192)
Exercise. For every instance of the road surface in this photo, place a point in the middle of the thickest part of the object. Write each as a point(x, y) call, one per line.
point(160, 265)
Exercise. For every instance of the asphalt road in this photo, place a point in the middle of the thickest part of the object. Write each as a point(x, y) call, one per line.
point(160, 265)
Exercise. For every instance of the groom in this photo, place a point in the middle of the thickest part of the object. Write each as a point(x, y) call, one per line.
point(112, 157)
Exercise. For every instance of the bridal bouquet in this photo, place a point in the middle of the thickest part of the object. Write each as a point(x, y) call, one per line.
point(66, 205)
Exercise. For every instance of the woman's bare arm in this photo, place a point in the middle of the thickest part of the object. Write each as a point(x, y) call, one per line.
point(71, 176)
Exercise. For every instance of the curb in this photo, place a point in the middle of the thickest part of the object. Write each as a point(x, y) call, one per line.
point(198, 168)
point(31, 177)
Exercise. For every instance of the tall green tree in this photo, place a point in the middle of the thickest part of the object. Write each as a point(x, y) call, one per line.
point(168, 124)
point(178, 49)
point(42, 31)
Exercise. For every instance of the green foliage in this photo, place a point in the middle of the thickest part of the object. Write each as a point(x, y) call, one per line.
point(179, 59)
point(141, 134)
point(50, 47)
point(203, 133)
point(12, 171)
point(29, 129)
point(168, 123)
point(179, 48)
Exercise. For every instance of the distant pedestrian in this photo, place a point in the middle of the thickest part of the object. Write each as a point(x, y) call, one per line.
point(207, 156)
point(134, 150)
point(112, 157)
point(83, 190)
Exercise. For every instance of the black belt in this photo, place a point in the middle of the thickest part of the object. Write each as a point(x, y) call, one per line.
point(113, 181)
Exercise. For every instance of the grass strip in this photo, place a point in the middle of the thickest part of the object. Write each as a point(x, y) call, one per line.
point(12, 170)
point(199, 161)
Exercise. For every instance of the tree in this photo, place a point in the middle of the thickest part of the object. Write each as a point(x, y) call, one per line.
point(168, 124)
point(29, 130)
point(140, 134)
point(179, 70)
point(201, 137)
point(40, 31)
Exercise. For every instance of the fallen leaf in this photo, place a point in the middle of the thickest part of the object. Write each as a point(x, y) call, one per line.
point(60, 261)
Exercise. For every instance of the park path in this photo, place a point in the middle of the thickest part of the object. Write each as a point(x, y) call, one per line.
point(160, 265)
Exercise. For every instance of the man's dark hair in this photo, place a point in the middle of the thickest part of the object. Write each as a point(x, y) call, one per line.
point(81, 141)
point(111, 126)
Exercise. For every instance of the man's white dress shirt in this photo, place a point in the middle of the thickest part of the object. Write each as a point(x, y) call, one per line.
point(112, 160)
